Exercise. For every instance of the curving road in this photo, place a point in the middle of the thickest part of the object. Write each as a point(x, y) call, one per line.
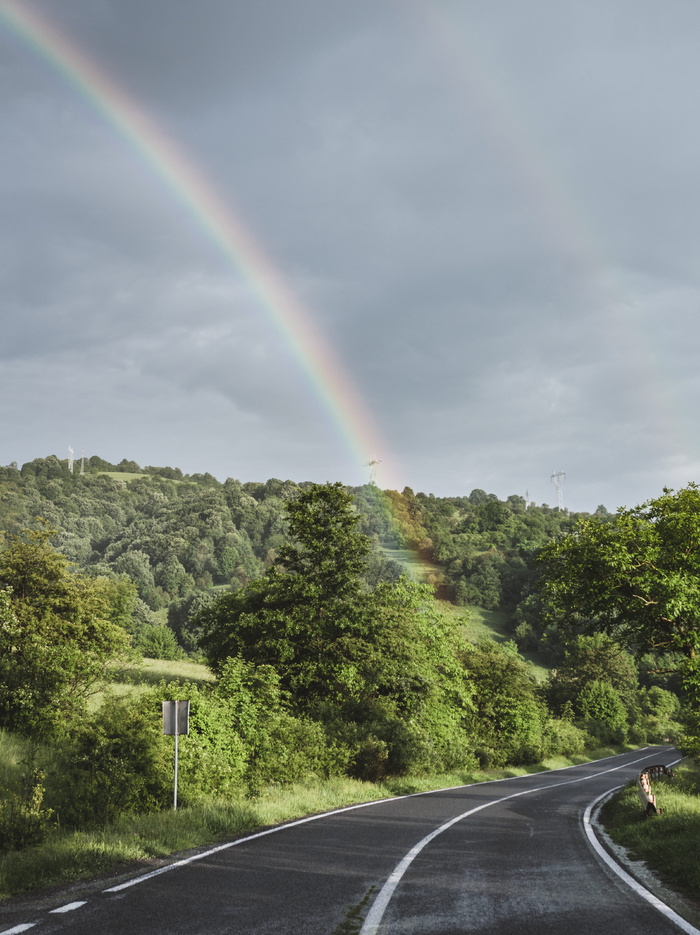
point(512, 856)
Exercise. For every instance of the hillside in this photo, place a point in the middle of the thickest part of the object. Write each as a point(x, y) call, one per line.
point(181, 538)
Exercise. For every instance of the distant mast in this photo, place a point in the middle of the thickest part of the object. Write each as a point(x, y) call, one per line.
point(557, 479)
point(372, 465)
point(82, 462)
point(70, 459)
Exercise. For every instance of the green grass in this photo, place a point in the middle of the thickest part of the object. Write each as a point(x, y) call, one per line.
point(139, 677)
point(669, 843)
point(131, 842)
point(479, 624)
point(415, 567)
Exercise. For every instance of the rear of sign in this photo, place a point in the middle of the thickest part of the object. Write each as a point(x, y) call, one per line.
point(176, 717)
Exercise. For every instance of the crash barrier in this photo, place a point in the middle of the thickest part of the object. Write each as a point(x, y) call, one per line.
point(644, 786)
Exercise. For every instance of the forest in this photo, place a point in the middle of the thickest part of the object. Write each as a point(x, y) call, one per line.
point(335, 623)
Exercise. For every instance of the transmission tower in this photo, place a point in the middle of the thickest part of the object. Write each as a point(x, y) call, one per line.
point(82, 461)
point(70, 459)
point(372, 465)
point(557, 479)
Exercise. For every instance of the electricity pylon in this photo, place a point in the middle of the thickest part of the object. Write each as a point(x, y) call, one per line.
point(372, 465)
point(558, 480)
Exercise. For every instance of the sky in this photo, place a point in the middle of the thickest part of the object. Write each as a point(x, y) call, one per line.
point(266, 238)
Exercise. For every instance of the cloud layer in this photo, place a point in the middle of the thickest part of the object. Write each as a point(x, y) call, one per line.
point(489, 211)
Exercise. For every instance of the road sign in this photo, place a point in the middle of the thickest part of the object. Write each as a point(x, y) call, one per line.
point(176, 721)
point(176, 717)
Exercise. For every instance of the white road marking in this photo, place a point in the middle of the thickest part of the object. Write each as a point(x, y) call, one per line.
point(376, 913)
point(302, 821)
point(69, 907)
point(374, 917)
point(629, 880)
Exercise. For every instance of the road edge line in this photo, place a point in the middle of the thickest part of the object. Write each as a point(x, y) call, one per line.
point(376, 913)
point(612, 864)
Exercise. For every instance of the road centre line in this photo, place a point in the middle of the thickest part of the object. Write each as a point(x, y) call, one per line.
point(24, 927)
point(301, 821)
point(378, 908)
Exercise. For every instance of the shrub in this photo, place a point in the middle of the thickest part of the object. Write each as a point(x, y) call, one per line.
point(603, 713)
point(562, 738)
point(114, 762)
point(24, 820)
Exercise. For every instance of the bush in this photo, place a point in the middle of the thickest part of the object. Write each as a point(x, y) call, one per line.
point(158, 642)
point(562, 738)
point(603, 713)
point(24, 820)
point(114, 762)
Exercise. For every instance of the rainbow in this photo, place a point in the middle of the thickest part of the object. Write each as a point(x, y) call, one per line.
point(175, 171)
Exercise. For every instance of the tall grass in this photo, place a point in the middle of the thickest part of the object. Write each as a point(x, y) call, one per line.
point(668, 843)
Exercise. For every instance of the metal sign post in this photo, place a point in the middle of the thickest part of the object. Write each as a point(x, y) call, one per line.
point(176, 721)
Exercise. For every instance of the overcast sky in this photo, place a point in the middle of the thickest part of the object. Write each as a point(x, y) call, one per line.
point(489, 211)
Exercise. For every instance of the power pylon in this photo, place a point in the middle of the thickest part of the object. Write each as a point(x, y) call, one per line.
point(557, 479)
point(372, 465)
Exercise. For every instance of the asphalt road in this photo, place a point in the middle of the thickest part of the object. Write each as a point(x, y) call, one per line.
point(503, 857)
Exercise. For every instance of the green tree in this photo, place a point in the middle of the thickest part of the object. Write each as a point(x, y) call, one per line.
point(509, 720)
point(58, 633)
point(378, 668)
point(594, 658)
point(303, 615)
point(603, 712)
point(636, 577)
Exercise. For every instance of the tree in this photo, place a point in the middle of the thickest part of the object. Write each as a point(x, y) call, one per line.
point(588, 659)
point(636, 577)
point(378, 668)
point(304, 614)
point(58, 633)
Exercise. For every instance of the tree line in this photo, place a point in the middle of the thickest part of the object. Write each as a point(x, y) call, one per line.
point(327, 661)
point(180, 537)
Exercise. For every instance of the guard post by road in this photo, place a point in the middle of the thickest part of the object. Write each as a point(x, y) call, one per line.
point(176, 721)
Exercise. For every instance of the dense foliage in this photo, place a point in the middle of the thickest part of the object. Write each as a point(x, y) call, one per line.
point(179, 536)
point(636, 578)
point(329, 658)
point(58, 634)
point(377, 667)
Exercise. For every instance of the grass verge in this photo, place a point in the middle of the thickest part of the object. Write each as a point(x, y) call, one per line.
point(67, 857)
point(668, 843)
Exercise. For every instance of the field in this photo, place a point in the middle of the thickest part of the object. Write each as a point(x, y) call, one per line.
point(150, 672)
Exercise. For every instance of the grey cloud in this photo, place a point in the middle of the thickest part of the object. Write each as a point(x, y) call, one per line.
point(490, 210)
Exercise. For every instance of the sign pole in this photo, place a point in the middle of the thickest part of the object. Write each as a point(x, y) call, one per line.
point(177, 734)
point(176, 721)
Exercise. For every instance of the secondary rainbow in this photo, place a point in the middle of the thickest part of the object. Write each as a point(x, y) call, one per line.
point(171, 166)
point(507, 118)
